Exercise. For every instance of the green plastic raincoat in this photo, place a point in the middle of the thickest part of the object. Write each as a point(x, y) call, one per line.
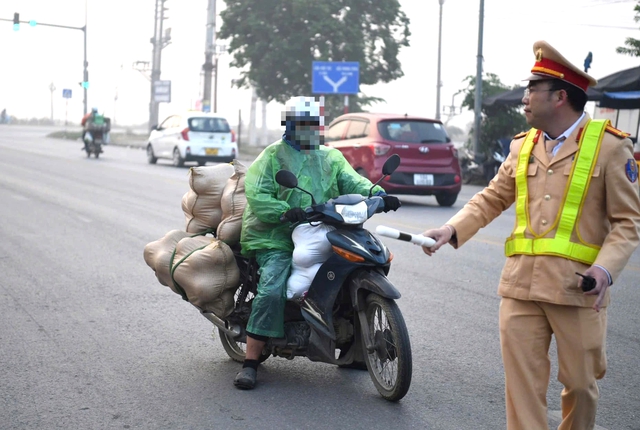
point(325, 173)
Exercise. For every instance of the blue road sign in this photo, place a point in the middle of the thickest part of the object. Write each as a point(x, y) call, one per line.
point(335, 77)
point(66, 94)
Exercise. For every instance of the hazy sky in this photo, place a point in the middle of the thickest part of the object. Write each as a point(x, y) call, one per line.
point(119, 33)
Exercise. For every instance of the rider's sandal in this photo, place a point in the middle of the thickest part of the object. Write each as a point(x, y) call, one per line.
point(245, 379)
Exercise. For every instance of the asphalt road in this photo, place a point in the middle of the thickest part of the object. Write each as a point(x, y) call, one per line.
point(90, 340)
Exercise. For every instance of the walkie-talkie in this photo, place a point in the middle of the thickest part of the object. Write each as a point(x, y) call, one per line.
point(588, 282)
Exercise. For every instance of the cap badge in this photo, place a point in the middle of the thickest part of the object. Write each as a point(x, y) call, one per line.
point(539, 54)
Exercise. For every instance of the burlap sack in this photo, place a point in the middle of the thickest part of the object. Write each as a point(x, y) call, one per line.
point(201, 213)
point(201, 205)
point(233, 202)
point(205, 268)
point(157, 255)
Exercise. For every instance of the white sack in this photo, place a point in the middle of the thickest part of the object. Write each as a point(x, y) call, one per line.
point(311, 249)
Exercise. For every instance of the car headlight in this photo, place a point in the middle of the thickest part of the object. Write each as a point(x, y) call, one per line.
point(353, 214)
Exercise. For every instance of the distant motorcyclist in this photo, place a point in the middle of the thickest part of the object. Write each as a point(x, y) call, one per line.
point(91, 120)
point(322, 171)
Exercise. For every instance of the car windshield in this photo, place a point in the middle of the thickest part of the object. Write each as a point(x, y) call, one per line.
point(413, 131)
point(209, 125)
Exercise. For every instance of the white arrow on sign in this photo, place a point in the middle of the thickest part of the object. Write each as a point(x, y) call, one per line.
point(335, 85)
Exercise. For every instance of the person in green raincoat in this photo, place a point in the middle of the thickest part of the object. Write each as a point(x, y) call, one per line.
point(322, 171)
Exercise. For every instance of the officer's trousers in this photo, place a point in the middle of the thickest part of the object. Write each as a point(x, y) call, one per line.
point(267, 309)
point(526, 328)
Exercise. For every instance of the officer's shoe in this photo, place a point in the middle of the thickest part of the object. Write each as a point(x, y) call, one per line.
point(246, 379)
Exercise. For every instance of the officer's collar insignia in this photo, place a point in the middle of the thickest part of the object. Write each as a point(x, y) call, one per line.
point(539, 54)
point(631, 169)
point(531, 160)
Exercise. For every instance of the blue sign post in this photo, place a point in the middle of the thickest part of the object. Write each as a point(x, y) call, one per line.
point(336, 77)
point(66, 94)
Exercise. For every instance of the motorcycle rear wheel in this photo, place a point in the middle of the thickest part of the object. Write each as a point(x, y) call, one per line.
point(235, 349)
point(390, 364)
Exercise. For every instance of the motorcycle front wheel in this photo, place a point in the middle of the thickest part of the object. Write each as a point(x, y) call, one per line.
point(389, 364)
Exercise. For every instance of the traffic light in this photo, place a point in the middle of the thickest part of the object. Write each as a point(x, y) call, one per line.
point(85, 84)
point(16, 21)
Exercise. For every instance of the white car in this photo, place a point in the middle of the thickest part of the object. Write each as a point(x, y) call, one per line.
point(194, 136)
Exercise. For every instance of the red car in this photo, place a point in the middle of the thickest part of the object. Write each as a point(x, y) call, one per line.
point(429, 160)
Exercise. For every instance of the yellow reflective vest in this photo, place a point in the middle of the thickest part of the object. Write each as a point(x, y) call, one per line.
point(574, 195)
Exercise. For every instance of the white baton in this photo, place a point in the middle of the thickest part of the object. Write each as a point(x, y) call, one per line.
point(418, 239)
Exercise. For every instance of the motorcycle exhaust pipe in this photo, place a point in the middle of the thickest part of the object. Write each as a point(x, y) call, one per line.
point(230, 329)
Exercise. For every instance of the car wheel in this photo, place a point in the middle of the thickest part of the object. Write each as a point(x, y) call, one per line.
point(446, 199)
point(151, 158)
point(178, 161)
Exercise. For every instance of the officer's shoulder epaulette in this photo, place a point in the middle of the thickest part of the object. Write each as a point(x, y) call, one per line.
point(619, 133)
point(520, 135)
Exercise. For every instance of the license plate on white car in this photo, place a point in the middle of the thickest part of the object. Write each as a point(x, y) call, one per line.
point(422, 179)
point(211, 151)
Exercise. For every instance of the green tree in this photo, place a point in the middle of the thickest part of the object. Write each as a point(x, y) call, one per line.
point(497, 121)
point(274, 42)
point(632, 47)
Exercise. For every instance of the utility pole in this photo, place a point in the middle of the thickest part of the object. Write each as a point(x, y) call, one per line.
point(85, 70)
point(159, 42)
point(264, 136)
point(439, 84)
point(209, 52)
point(52, 88)
point(253, 141)
point(478, 99)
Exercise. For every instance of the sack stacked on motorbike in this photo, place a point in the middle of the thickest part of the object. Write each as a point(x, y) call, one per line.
point(205, 268)
point(201, 204)
point(233, 202)
point(201, 267)
point(312, 248)
point(158, 255)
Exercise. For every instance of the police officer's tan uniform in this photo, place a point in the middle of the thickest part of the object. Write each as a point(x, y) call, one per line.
point(541, 293)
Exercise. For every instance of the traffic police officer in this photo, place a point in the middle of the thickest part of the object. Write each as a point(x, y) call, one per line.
point(574, 183)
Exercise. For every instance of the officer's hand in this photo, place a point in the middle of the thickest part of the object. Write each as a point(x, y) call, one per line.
point(602, 283)
point(295, 215)
point(441, 235)
point(391, 203)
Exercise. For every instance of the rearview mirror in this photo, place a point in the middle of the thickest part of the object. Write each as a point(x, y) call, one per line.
point(286, 179)
point(391, 164)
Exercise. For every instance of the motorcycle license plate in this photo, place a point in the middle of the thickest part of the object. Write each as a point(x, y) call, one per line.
point(211, 151)
point(422, 179)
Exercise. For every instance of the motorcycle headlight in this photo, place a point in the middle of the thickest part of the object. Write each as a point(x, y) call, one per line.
point(353, 214)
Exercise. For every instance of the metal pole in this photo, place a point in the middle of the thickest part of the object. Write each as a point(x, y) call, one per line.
point(52, 88)
point(215, 87)
point(85, 71)
point(439, 84)
point(209, 51)
point(478, 99)
point(154, 42)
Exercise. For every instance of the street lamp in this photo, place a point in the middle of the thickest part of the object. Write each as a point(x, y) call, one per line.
point(439, 84)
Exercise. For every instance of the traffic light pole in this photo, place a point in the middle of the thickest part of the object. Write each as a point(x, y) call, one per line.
point(85, 74)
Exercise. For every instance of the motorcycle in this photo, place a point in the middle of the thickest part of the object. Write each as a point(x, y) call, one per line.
point(349, 316)
point(95, 136)
point(481, 167)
